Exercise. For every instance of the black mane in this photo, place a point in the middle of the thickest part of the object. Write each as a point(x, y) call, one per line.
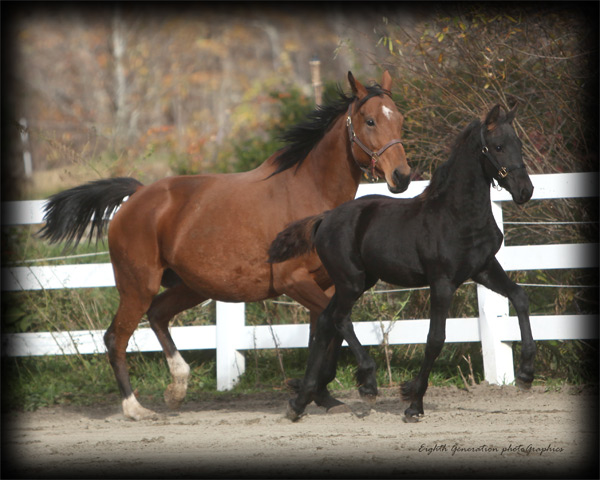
point(439, 180)
point(303, 137)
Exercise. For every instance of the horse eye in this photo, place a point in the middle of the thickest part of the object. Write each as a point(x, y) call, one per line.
point(498, 148)
point(371, 122)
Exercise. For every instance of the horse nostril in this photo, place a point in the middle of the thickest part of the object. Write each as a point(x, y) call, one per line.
point(525, 194)
point(401, 181)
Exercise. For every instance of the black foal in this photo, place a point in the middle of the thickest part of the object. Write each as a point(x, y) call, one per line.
point(441, 238)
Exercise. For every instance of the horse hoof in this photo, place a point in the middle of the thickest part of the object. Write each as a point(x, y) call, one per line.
point(291, 414)
point(141, 414)
point(342, 408)
point(174, 395)
point(173, 404)
point(410, 419)
point(522, 384)
point(412, 414)
point(370, 399)
point(134, 411)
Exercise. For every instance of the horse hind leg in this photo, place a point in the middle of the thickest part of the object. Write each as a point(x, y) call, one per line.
point(163, 308)
point(349, 293)
point(309, 388)
point(307, 292)
point(116, 338)
point(323, 397)
point(333, 325)
point(327, 374)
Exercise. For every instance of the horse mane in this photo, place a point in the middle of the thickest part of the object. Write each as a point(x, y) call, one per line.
point(439, 180)
point(303, 137)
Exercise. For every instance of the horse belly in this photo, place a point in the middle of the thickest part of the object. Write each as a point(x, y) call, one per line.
point(395, 259)
point(403, 276)
point(227, 283)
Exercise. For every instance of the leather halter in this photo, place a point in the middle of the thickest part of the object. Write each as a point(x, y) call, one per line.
point(369, 172)
point(501, 171)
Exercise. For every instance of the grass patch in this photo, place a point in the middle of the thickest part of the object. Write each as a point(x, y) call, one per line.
point(33, 382)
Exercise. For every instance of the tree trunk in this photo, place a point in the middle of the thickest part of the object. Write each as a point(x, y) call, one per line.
point(119, 44)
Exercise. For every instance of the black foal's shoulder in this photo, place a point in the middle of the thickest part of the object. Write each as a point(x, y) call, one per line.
point(373, 199)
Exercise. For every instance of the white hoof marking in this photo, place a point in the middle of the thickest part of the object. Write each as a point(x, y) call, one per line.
point(132, 409)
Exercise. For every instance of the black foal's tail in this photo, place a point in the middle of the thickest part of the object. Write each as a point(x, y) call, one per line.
point(295, 240)
point(68, 214)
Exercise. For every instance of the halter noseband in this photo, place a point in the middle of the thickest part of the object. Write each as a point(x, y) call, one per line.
point(354, 139)
point(500, 170)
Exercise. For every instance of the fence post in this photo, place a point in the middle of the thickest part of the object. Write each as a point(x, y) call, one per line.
point(231, 363)
point(315, 71)
point(493, 309)
point(27, 161)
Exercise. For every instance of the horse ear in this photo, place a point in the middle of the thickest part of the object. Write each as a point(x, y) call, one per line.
point(510, 116)
point(491, 121)
point(358, 89)
point(386, 81)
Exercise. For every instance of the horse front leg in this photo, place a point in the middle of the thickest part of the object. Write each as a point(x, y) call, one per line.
point(413, 391)
point(495, 278)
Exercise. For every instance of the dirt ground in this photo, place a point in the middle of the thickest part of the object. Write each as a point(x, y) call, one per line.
point(487, 432)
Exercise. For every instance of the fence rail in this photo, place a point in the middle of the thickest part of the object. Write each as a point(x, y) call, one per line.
point(494, 328)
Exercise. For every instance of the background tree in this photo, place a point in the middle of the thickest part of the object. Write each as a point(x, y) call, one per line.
point(467, 57)
point(123, 90)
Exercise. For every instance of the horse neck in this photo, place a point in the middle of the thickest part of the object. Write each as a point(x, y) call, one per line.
point(468, 188)
point(330, 167)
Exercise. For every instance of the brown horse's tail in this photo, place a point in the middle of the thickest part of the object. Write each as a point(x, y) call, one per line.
point(295, 240)
point(68, 214)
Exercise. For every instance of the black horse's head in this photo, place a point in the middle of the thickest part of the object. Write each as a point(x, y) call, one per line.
point(502, 149)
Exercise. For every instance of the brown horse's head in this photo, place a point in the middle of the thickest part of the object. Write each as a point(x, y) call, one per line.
point(375, 128)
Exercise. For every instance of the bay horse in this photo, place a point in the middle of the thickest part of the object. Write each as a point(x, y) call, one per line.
point(207, 236)
point(439, 239)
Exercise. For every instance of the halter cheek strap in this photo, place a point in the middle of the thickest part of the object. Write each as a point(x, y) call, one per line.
point(501, 171)
point(354, 139)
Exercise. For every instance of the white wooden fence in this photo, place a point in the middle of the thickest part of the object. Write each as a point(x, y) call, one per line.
point(494, 327)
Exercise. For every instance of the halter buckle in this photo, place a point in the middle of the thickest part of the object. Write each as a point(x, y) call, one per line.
point(502, 173)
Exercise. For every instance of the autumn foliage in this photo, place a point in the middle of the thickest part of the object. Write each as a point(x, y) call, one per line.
point(468, 57)
point(150, 92)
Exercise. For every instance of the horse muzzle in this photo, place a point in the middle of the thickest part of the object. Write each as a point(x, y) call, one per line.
point(523, 196)
point(401, 182)
point(522, 191)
